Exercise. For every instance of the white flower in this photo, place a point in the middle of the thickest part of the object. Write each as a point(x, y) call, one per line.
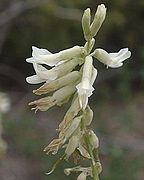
point(37, 53)
point(45, 75)
point(85, 87)
point(113, 60)
point(40, 76)
point(98, 19)
point(43, 56)
point(48, 87)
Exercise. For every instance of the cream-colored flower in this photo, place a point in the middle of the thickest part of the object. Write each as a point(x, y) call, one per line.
point(48, 87)
point(85, 87)
point(54, 146)
point(45, 75)
point(88, 116)
point(54, 59)
point(71, 128)
point(37, 53)
point(98, 19)
point(59, 97)
point(113, 60)
point(72, 145)
point(70, 115)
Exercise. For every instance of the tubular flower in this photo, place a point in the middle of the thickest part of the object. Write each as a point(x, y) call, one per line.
point(58, 83)
point(58, 98)
point(85, 87)
point(113, 60)
point(45, 75)
point(41, 57)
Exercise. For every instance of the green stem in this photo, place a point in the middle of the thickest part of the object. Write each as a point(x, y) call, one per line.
point(93, 163)
point(89, 149)
point(88, 47)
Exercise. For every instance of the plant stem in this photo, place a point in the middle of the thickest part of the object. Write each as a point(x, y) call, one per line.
point(93, 163)
point(89, 149)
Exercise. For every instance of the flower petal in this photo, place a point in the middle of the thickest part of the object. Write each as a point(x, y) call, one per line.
point(39, 51)
point(34, 79)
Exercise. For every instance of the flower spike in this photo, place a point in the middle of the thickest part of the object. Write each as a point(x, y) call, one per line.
point(71, 75)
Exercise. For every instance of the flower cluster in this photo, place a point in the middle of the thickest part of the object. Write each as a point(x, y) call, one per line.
point(71, 76)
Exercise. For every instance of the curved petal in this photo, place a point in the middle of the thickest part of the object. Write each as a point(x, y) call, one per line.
point(117, 65)
point(34, 79)
point(121, 52)
point(39, 51)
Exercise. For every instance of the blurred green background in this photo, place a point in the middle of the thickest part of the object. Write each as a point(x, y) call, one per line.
point(118, 101)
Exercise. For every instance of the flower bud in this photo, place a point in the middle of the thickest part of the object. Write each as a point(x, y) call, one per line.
point(72, 145)
point(86, 24)
point(74, 125)
point(98, 19)
point(88, 116)
point(93, 139)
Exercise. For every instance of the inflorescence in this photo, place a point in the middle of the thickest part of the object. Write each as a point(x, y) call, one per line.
point(64, 82)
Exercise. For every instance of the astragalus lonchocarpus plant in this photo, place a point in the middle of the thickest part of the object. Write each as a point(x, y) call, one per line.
point(64, 82)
